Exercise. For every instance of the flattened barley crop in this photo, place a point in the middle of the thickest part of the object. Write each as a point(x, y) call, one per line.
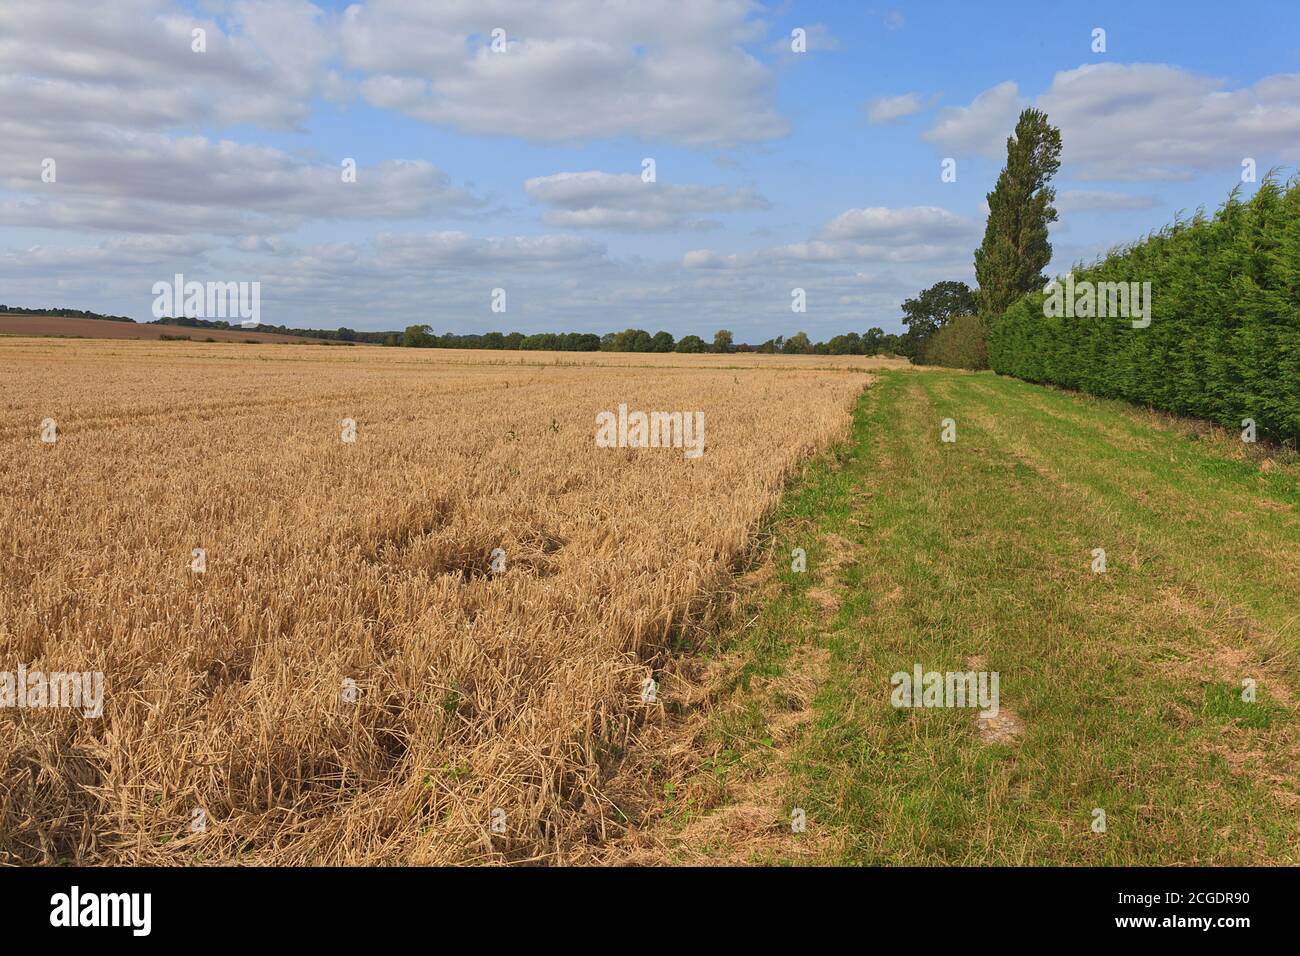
point(349, 681)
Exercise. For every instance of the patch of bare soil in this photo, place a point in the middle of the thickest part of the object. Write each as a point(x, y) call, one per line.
point(1005, 727)
point(827, 593)
point(1234, 646)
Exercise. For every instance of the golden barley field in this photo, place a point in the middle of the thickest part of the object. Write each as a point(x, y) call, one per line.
point(349, 679)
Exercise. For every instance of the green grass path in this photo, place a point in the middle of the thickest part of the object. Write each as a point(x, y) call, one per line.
point(1127, 685)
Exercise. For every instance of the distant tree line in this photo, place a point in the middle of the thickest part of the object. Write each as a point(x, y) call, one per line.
point(924, 316)
point(931, 311)
point(423, 337)
point(64, 314)
point(333, 335)
point(336, 335)
point(873, 342)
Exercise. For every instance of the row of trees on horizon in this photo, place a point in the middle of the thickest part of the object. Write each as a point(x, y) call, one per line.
point(873, 342)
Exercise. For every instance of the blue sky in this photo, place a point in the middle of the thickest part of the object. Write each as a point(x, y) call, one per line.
point(520, 168)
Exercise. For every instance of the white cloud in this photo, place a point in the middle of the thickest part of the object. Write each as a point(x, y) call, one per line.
point(857, 236)
point(131, 62)
point(708, 259)
point(151, 182)
point(904, 226)
point(457, 249)
point(105, 89)
point(889, 109)
point(108, 257)
point(571, 71)
point(601, 200)
point(983, 126)
point(1140, 121)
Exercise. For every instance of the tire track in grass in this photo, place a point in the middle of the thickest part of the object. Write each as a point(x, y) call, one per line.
point(1180, 518)
point(1211, 616)
point(923, 788)
point(1224, 457)
point(1166, 460)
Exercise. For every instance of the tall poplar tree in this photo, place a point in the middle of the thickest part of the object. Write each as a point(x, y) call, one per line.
point(1015, 251)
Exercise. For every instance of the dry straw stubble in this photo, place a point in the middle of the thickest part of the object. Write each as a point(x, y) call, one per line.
point(369, 562)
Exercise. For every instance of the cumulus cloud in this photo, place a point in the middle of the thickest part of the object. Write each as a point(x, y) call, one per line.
point(600, 200)
point(889, 109)
point(876, 234)
point(336, 280)
point(1140, 122)
point(150, 182)
point(131, 62)
point(911, 225)
point(107, 92)
point(457, 249)
point(984, 125)
point(577, 70)
point(580, 69)
point(111, 255)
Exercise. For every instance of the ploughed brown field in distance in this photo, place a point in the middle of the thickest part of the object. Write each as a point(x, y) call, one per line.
point(350, 680)
point(102, 329)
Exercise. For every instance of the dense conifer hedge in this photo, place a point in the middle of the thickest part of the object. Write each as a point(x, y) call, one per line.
point(1224, 338)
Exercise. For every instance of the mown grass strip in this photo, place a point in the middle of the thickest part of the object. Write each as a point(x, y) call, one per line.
point(1127, 685)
